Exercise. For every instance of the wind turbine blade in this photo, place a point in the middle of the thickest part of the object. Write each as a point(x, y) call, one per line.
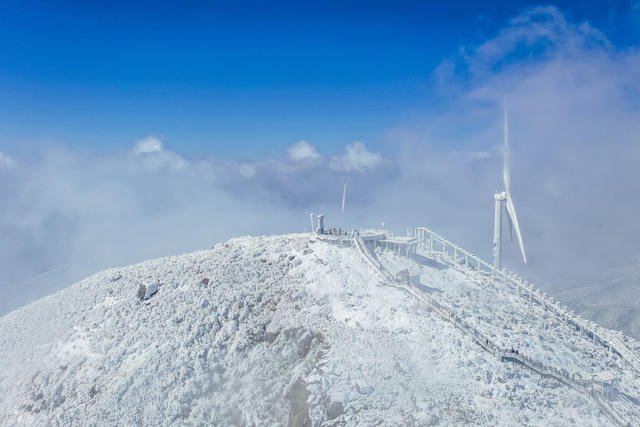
point(510, 227)
point(511, 209)
point(506, 173)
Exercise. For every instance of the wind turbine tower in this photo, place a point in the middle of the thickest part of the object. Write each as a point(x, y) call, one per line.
point(504, 198)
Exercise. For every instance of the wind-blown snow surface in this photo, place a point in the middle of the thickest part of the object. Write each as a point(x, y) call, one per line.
point(283, 331)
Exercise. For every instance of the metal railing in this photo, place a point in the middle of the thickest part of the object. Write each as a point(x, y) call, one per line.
point(591, 388)
point(475, 267)
point(375, 263)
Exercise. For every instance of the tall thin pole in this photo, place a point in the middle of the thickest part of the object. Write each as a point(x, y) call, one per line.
point(344, 194)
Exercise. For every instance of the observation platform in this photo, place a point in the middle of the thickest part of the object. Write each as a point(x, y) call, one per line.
point(399, 244)
point(370, 236)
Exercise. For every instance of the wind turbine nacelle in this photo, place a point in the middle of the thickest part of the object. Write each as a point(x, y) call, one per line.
point(500, 196)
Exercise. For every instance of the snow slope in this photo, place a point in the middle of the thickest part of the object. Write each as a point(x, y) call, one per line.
point(279, 330)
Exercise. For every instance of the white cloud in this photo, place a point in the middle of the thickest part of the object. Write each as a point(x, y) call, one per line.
point(541, 32)
point(303, 151)
point(6, 161)
point(148, 144)
point(356, 158)
point(247, 170)
point(154, 156)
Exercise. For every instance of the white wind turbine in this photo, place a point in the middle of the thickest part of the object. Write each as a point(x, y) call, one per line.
point(505, 197)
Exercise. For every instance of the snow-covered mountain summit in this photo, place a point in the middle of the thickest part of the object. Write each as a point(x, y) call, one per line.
point(287, 330)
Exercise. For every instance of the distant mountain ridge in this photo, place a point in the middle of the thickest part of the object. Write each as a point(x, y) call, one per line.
point(614, 301)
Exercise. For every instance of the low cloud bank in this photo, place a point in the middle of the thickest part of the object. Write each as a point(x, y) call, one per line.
point(575, 124)
point(68, 214)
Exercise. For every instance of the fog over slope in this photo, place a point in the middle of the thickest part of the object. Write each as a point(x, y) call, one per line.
point(575, 121)
point(274, 330)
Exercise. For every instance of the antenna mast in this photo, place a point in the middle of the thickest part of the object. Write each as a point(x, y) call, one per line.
point(344, 194)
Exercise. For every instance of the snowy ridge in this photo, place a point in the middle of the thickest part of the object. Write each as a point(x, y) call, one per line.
point(281, 330)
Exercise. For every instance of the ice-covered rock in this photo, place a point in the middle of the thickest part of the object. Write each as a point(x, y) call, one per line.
point(147, 291)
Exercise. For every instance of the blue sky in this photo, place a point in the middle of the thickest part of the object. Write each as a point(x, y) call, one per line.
point(238, 80)
point(130, 131)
